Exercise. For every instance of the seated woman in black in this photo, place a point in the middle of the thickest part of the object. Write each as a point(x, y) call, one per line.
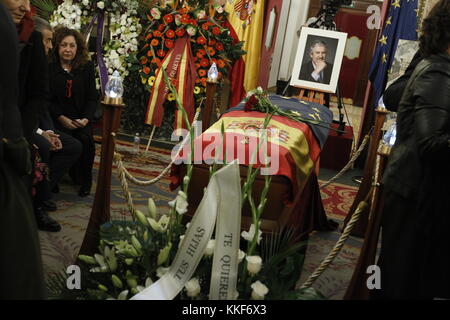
point(74, 98)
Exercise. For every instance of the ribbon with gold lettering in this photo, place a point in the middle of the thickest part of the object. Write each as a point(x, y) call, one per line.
point(223, 189)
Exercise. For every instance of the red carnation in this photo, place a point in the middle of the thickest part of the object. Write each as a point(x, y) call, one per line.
point(160, 53)
point(157, 33)
point(168, 18)
point(216, 31)
point(161, 27)
point(179, 32)
point(170, 34)
point(204, 62)
point(219, 46)
point(211, 42)
point(168, 43)
point(201, 40)
point(185, 19)
point(251, 103)
point(205, 26)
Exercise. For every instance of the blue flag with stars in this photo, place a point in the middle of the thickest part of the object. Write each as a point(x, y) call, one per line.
point(401, 23)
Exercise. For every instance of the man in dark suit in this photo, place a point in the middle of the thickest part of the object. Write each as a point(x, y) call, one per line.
point(317, 69)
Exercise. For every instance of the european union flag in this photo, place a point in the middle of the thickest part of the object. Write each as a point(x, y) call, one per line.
point(401, 23)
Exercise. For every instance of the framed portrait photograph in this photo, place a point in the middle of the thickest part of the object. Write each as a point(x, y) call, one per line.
point(318, 60)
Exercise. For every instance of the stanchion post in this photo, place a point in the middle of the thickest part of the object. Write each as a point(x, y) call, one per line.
point(366, 183)
point(112, 109)
point(211, 88)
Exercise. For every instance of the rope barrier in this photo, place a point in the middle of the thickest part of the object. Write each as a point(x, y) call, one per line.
point(123, 173)
point(349, 164)
point(362, 206)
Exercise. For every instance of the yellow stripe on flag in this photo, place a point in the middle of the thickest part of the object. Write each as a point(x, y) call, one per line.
point(250, 31)
point(158, 81)
point(182, 86)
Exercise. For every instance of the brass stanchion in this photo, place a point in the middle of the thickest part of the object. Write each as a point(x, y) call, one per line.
point(112, 109)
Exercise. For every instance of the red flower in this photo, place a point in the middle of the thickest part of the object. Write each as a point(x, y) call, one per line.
point(251, 103)
point(149, 53)
point(146, 70)
point(204, 62)
point(157, 33)
point(170, 34)
point(161, 53)
point(201, 40)
point(211, 51)
point(154, 42)
point(148, 36)
point(219, 46)
point(201, 72)
point(161, 27)
point(157, 61)
point(199, 54)
point(168, 18)
point(216, 31)
point(180, 32)
point(220, 63)
point(144, 60)
point(168, 43)
point(211, 42)
point(205, 26)
point(185, 19)
point(193, 22)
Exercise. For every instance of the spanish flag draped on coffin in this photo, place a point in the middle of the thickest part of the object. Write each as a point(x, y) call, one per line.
point(293, 147)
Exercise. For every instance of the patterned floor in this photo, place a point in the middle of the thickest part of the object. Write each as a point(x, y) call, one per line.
point(60, 249)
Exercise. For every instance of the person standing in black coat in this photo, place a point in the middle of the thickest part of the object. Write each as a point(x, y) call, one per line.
point(21, 275)
point(74, 98)
point(415, 249)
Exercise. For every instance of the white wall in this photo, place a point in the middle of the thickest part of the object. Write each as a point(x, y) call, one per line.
point(293, 16)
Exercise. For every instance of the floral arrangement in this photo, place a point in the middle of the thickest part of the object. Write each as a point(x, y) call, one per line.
point(134, 254)
point(210, 41)
point(123, 24)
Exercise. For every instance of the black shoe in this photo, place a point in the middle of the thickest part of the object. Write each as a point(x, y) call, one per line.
point(55, 189)
point(84, 191)
point(44, 222)
point(49, 205)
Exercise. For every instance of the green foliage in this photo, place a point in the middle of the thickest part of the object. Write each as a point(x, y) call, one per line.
point(45, 8)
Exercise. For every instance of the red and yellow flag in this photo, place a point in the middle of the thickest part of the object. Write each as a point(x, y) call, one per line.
point(181, 72)
point(247, 17)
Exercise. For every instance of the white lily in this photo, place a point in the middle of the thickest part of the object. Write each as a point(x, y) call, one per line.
point(160, 225)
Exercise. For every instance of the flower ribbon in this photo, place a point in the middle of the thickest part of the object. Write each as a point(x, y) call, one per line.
point(103, 71)
point(223, 186)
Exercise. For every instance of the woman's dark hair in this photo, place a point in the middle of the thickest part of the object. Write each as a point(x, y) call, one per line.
point(436, 29)
point(82, 56)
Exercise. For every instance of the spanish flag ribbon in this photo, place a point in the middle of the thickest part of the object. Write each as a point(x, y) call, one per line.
point(180, 70)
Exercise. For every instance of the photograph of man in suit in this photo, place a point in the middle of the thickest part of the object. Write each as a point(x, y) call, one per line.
point(317, 69)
